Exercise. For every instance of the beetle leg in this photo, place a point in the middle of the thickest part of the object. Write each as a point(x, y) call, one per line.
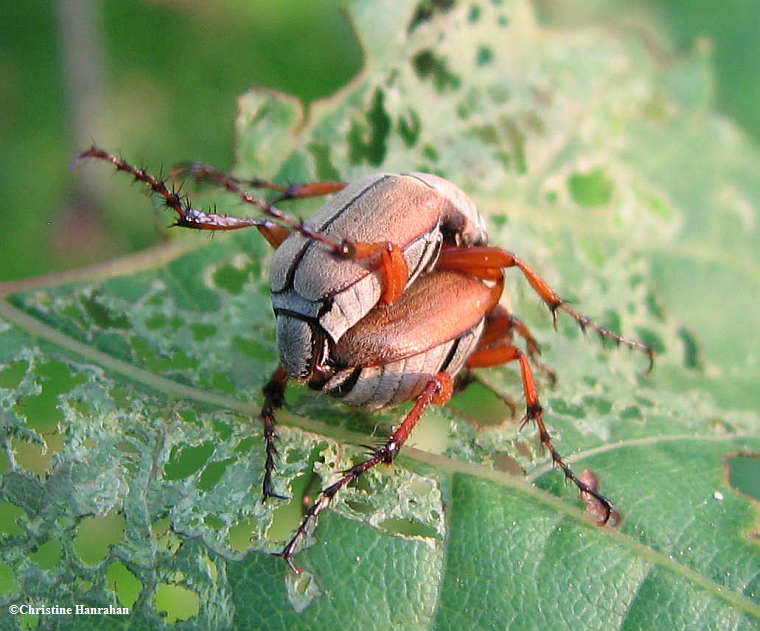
point(207, 173)
point(274, 396)
point(189, 217)
point(496, 355)
point(438, 391)
point(391, 262)
point(390, 257)
point(482, 261)
point(499, 326)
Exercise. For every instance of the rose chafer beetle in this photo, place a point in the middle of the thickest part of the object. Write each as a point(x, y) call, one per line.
point(383, 297)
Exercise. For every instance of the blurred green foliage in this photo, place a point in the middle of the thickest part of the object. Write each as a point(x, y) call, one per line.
point(128, 399)
point(172, 72)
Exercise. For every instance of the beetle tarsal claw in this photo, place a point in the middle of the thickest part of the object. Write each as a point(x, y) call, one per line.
point(289, 560)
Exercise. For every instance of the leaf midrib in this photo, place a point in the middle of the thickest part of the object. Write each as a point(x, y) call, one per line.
point(449, 465)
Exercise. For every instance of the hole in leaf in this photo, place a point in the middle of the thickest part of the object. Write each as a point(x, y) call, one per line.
point(427, 9)
point(176, 602)
point(231, 278)
point(484, 56)
point(481, 405)
point(252, 348)
point(516, 139)
point(213, 473)
point(126, 585)
point(188, 415)
point(7, 579)
point(631, 412)
point(102, 315)
point(223, 429)
point(96, 534)
point(654, 307)
point(246, 444)
point(560, 406)
point(427, 65)
point(651, 339)
point(303, 490)
point(691, 354)
point(12, 374)
point(367, 139)
point(161, 526)
point(362, 507)
point(592, 188)
point(408, 528)
point(743, 473)
point(504, 462)
point(241, 532)
point(212, 521)
point(325, 168)
point(9, 514)
point(485, 133)
point(48, 555)
point(42, 410)
point(409, 127)
point(429, 152)
point(185, 461)
point(37, 457)
point(603, 406)
point(156, 321)
point(202, 331)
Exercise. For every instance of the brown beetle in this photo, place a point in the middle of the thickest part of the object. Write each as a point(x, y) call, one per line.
point(366, 245)
point(382, 298)
point(317, 297)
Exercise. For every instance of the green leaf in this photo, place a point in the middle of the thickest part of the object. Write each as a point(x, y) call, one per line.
point(129, 393)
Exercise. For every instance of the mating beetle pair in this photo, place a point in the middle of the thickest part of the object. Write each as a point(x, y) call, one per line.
point(384, 296)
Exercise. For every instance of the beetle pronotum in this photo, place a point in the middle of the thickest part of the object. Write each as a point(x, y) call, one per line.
point(384, 296)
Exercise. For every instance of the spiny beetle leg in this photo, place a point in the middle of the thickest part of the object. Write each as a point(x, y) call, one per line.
point(437, 391)
point(189, 217)
point(481, 261)
point(390, 257)
point(274, 396)
point(231, 184)
point(496, 355)
point(207, 173)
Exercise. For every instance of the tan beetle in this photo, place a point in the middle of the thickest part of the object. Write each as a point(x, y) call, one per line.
point(318, 297)
point(383, 297)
